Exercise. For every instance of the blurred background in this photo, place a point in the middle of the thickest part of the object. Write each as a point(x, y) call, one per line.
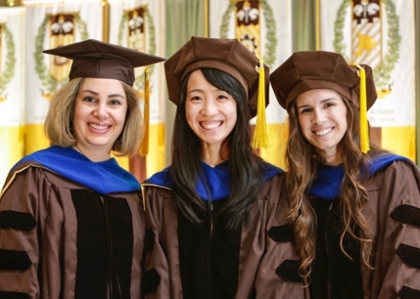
point(382, 33)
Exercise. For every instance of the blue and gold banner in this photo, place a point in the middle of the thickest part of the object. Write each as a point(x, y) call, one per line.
point(264, 27)
point(379, 33)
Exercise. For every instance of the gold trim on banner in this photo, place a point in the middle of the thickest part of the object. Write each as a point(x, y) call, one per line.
point(105, 20)
point(14, 2)
point(206, 18)
point(317, 25)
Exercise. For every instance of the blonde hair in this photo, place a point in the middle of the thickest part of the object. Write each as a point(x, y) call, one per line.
point(58, 123)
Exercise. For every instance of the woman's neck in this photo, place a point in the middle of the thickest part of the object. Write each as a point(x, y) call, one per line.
point(214, 156)
point(94, 156)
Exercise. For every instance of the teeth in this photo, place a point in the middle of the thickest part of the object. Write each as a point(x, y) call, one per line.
point(210, 126)
point(98, 127)
point(323, 132)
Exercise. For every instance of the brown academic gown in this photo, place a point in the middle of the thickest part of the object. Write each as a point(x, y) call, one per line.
point(61, 240)
point(253, 273)
point(393, 212)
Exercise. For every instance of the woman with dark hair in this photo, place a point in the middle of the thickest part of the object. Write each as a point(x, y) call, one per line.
point(208, 213)
point(354, 207)
point(71, 222)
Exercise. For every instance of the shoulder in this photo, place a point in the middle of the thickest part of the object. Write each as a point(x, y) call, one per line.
point(34, 178)
point(395, 185)
point(273, 186)
point(399, 170)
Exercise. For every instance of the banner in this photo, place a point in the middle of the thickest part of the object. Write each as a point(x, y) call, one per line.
point(380, 34)
point(49, 25)
point(139, 24)
point(264, 27)
point(11, 88)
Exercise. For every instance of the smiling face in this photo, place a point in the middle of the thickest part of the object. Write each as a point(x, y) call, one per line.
point(210, 112)
point(323, 121)
point(99, 115)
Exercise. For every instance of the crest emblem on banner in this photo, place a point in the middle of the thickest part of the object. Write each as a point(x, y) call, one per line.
point(7, 67)
point(136, 31)
point(247, 24)
point(372, 41)
point(60, 30)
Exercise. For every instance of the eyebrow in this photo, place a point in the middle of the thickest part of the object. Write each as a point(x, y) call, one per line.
point(113, 95)
point(195, 90)
point(321, 102)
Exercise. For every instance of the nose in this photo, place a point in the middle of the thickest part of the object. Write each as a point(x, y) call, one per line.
point(209, 107)
point(319, 117)
point(100, 111)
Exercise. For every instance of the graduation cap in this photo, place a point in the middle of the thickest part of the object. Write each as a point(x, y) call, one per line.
point(96, 59)
point(307, 70)
point(231, 57)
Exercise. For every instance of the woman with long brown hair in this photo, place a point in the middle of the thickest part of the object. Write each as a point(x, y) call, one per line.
point(354, 207)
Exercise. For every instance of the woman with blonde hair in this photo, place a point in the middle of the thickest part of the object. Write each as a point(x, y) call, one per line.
point(71, 225)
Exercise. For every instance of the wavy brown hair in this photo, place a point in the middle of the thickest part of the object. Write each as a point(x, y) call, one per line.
point(302, 159)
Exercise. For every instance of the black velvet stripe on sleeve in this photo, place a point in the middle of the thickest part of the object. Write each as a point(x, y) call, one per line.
point(17, 220)
point(288, 271)
point(150, 282)
point(149, 241)
point(12, 260)
point(407, 214)
point(281, 234)
point(409, 293)
point(14, 295)
point(410, 255)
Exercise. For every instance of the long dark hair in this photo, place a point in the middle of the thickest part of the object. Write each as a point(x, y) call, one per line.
point(245, 167)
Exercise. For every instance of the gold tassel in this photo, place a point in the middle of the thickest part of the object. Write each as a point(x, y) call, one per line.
point(144, 148)
point(363, 126)
point(260, 138)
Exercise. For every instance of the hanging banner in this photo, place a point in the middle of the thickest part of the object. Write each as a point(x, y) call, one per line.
point(139, 24)
point(379, 33)
point(11, 88)
point(49, 25)
point(264, 27)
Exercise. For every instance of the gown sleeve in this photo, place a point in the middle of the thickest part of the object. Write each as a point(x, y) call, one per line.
point(394, 216)
point(277, 275)
point(23, 203)
point(161, 230)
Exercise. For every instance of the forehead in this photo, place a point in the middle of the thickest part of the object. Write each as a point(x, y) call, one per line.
point(315, 96)
point(197, 80)
point(102, 84)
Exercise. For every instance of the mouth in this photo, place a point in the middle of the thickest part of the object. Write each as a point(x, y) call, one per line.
point(210, 125)
point(323, 132)
point(99, 127)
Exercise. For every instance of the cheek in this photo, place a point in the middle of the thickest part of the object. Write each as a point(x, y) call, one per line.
point(77, 115)
point(190, 114)
point(123, 116)
point(302, 123)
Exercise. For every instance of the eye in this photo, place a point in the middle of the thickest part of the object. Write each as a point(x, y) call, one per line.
point(329, 104)
point(305, 110)
point(115, 102)
point(89, 99)
point(222, 97)
point(194, 98)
